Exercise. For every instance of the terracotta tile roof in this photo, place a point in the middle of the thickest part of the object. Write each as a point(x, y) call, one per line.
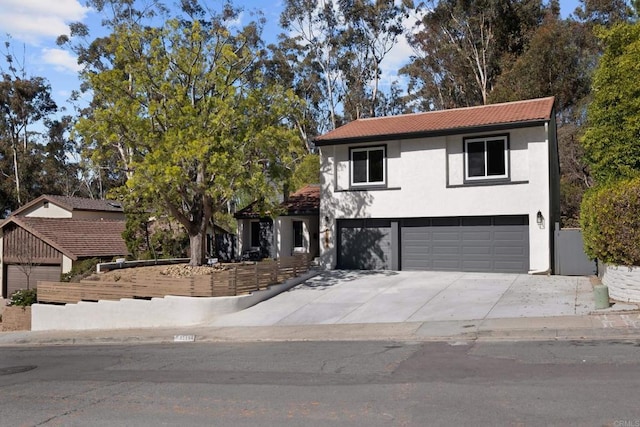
point(74, 203)
point(77, 238)
point(441, 122)
point(305, 201)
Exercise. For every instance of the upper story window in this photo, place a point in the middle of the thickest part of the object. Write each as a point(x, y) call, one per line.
point(486, 158)
point(368, 166)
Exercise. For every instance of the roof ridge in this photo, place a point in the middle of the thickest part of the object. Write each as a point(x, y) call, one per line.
point(471, 107)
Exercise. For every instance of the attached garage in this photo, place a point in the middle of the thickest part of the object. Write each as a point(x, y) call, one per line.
point(17, 276)
point(365, 244)
point(483, 244)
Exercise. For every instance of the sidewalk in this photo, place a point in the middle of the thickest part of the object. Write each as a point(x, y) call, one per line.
point(606, 325)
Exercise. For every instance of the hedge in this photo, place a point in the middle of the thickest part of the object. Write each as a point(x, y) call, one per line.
point(610, 221)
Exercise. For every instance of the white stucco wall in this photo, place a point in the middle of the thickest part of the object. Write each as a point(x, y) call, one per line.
point(167, 312)
point(67, 263)
point(284, 235)
point(425, 178)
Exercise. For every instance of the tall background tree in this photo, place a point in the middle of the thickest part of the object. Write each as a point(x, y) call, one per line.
point(33, 138)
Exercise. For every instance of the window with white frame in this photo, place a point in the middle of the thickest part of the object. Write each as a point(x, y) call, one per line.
point(368, 166)
point(486, 158)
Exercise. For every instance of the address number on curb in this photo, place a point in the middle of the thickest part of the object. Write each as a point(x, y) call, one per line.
point(184, 338)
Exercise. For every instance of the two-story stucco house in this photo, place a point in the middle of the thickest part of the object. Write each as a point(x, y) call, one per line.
point(469, 189)
point(47, 235)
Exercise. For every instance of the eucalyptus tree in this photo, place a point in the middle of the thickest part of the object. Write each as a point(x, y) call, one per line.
point(460, 45)
point(32, 141)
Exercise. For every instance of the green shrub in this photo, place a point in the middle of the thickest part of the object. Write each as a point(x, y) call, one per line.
point(80, 270)
point(24, 297)
point(610, 221)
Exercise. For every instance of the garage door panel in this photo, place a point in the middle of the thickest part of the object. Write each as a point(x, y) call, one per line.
point(508, 235)
point(470, 235)
point(446, 236)
point(446, 250)
point(476, 250)
point(509, 252)
point(446, 265)
point(485, 244)
point(17, 279)
point(364, 245)
point(475, 265)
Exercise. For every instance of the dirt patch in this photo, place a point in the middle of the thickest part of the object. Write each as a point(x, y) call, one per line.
point(173, 270)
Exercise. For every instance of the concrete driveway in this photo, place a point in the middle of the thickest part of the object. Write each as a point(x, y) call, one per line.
point(339, 297)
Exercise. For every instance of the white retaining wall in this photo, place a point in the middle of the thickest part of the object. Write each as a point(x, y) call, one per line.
point(170, 311)
point(623, 283)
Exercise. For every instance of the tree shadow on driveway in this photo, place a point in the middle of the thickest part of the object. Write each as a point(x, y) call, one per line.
point(331, 278)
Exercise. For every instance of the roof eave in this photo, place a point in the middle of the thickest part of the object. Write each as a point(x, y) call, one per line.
point(431, 134)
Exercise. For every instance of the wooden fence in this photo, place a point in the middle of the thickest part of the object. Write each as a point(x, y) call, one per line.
point(235, 280)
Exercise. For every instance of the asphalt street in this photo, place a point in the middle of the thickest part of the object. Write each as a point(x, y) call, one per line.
point(582, 383)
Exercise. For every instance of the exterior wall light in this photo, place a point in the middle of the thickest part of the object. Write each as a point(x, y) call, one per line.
point(539, 218)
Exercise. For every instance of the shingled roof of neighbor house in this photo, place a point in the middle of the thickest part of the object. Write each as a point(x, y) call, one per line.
point(76, 238)
point(305, 201)
point(74, 203)
point(445, 122)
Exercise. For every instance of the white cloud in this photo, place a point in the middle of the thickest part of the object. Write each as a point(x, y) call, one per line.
point(61, 59)
point(33, 21)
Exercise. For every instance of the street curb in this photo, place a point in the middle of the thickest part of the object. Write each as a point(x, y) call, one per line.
point(405, 332)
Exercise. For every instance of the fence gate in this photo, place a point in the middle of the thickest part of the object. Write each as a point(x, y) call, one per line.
point(570, 259)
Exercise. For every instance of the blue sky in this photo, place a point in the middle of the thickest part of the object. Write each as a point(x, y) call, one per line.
point(34, 26)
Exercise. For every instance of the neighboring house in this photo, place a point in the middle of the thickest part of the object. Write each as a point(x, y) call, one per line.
point(295, 230)
point(45, 237)
point(469, 189)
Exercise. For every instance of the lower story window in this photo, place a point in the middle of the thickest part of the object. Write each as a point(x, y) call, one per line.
point(298, 236)
point(255, 234)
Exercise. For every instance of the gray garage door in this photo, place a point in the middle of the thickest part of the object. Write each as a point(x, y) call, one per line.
point(491, 244)
point(364, 244)
point(16, 278)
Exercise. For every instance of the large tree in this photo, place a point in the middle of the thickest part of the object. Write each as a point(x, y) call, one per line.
point(185, 109)
point(611, 140)
point(459, 46)
point(33, 143)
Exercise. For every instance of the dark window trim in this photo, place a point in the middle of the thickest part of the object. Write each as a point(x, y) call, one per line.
point(373, 188)
point(368, 185)
point(486, 183)
point(486, 179)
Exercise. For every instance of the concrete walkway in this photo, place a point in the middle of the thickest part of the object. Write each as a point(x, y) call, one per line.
point(356, 297)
